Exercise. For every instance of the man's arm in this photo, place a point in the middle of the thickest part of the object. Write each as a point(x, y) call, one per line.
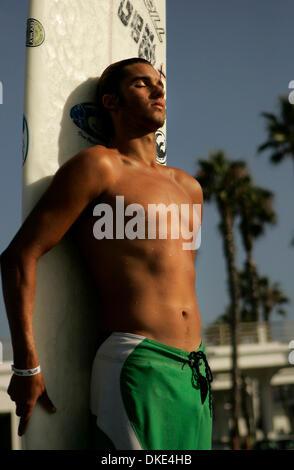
point(73, 187)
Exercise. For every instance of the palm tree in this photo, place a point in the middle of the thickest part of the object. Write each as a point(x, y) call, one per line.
point(280, 130)
point(272, 298)
point(248, 312)
point(255, 207)
point(221, 180)
point(245, 291)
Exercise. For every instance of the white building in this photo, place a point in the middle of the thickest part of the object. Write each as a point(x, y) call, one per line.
point(268, 391)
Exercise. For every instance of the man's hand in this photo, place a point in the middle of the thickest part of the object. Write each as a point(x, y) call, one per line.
point(26, 391)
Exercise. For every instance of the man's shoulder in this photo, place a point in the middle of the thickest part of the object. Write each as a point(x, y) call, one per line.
point(91, 162)
point(95, 156)
point(187, 182)
point(91, 169)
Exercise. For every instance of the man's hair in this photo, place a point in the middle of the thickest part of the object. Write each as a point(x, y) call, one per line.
point(109, 83)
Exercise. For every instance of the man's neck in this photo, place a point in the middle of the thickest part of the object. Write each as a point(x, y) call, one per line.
point(141, 148)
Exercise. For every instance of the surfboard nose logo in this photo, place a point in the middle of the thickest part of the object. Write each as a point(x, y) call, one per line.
point(35, 33)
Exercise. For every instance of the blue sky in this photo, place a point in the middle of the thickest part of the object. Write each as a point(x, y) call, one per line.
point(227, 61)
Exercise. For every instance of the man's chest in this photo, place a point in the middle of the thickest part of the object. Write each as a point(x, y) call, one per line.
point(146, 188)
point(146, 204)
point(143, 205)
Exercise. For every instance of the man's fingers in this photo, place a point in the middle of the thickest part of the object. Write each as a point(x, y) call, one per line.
point(25, 410)
point(46, 402)
point(24, 418)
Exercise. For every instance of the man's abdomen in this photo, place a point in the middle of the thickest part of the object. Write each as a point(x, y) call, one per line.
point(161, 306)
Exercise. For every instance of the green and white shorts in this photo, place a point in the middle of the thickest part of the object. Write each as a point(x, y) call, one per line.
point(146, 395)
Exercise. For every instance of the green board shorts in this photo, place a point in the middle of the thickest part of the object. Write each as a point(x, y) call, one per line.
point(146, 395)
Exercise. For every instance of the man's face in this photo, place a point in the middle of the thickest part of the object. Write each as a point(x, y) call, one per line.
point(143, 95)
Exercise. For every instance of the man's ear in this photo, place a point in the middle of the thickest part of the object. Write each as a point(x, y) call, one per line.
point(110, 102)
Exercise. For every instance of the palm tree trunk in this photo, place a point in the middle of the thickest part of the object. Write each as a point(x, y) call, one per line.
point(252, 276)
point(266, 312)
point(247, 411)
point(250, 267)
point(229, 250)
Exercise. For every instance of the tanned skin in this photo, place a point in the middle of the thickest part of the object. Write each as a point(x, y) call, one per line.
point(147, 285)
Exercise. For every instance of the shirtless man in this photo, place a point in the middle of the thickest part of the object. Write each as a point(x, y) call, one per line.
point(152, 369)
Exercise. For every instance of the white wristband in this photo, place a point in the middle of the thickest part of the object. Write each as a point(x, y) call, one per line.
point(26, 372)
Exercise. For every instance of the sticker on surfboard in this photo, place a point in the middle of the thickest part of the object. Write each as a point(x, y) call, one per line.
point(160, 147)
point(35, 33)
point(84, 116)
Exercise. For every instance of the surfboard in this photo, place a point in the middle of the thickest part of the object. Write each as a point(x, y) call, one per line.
point(69, 44)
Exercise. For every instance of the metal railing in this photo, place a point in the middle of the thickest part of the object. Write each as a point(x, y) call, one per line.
point(249, 333)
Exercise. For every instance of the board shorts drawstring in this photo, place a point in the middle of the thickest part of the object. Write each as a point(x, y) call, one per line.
point(198, 380)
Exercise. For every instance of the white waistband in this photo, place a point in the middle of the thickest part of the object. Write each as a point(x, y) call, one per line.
point(127, 335)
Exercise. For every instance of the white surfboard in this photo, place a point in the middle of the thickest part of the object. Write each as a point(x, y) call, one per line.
point(69, 44)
